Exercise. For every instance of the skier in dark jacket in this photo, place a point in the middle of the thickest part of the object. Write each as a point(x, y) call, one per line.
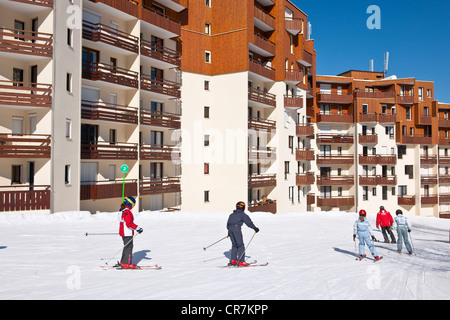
point(234, 224)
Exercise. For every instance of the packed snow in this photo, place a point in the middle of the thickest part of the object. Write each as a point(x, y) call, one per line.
point(310, 256)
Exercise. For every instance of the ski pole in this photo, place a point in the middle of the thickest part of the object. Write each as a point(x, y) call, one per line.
point(215, 243)
point(122, 248)
point(100, 234)
point(245, 249)
point(412, 244)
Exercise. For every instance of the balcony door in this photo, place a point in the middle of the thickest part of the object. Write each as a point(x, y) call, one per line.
point(89, 171)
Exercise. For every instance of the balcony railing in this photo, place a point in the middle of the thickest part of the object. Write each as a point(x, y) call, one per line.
point(25, 146)
point(108, 112)
point(334, 138)
point(336, 201)
point(294, 25)
point(24, 198)
point(428, 159)
point(107, 189)
point(304, 155)
point(375, 95)
point(377, 159)
point(128, 6)
point(340, 118)
point(25, 94)
point(264, 207)
point(335, 159)
point(43, 3)
point(105, 34)
point(335, 180)
point(416, 139)
point(377, 180)
point(405, 99)
point(264, 43)
point(335, 98)
point(262, 69)
point(405, 200)
point(109, 150)
point(262, 124)
point(262, 180)
point(368, 138)
point(262, 97)
point(158, 52)
point(264, 17)
point(428, 179)
point(161, 20)
point(159, 185)
point(295, 102)
point(294, 76)
point(159, 152)
point(262, 153)
point(111, 74)
point(387, 118)
point(26, 42)
point(305, 179)
point(161, 86)
point(429, 199)
point(160, 119)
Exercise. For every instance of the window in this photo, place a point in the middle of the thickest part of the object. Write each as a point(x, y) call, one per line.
point(206, 112)
point(384, 192)
point(291, 194)
point(208, 56)
point(69, 82)
point(291, 143)
point(68, 128)
point(402, 191)
point(206, 196)
point(206, 168)
point(420, 94)
point(208, 3)
point(16, 174)
point(206, 140)
point(69, 37)
point(206, 85)
point(409, 170)
point(365, 193)
point(429, 93)
point(208, 28)
point(286, 169)
point(18, 77)
point(67, 174)
point(408, 113)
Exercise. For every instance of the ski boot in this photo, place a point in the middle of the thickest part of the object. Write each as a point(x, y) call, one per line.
point(242, 264)
point(232, 263)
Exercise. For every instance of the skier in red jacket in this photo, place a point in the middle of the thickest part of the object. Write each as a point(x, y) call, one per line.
point(384, 219)
point(126, 231)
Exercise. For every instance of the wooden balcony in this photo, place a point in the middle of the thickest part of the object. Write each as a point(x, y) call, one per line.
point(24, 198)
point(428, 179)
point(128, 6)
point(155, 51)
point(377, 159)
point(295, 102)
point(425, 120)
point(416, 139)
point(111, 74)
point(405, 200)
point(161, 20)
point(265, 18)
point(108, 112)
point(160, 186)
point(387, 118)
point(294, 25)
point(335, 159)
point(334, 98)
point(25, 94)
point(294, 76)
point(263, 43)
point(160, 119)
point(305, 179)
point(262, 124)
point(304, 155)
point(159, 152)
point(262, 180)
point(96, 190)
point(337, 118)
point(262, 153)
point(428, 159)
point(429, 199)
point(305, 130)
point(334, 138)
point(26, 42)
point(336, 202)
point(161, 86)
point(25, 146)
point(262, 70)
point(109, 150)
point(113, 37)
point(263, 98)
point(444, 123)
point(405, 99)
point(378, 180)
point(444, 197)
point(264, 207)
point(444, 159)
point(335, 180)
point(368, 117)
point(368, 138)
point(42, 3)
point(375, 95)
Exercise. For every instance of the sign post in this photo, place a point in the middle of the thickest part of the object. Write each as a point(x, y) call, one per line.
point(124, 168)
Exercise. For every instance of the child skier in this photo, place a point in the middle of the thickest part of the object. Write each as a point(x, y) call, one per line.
point(403, 228)
point(363, 229)
point(234, 224)
point(126, 231)
point(384, 219)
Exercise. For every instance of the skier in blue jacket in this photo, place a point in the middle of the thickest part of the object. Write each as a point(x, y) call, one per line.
point(364, 231)
point(403, 228)
point(234, 224)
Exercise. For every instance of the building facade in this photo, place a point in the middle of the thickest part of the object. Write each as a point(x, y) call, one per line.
point(207, 103)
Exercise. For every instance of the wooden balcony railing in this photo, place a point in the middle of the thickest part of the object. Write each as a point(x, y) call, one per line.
point(264, 43)
point(262, 153)
point(107, 189)
point(25, 146)
point(24, 198)
point(377, 180)
point(109, 150)
point(262, 69)
point(334, 138)
point(368, 117)
point(340, 118)
point(429, 199)
point(305, 179)
point(294, 25)
point(160, 119)
point(387, 118)
point(42, 3)
point(304, 130)
point(294, 76)
point(336, 201)
point(405, 99)
point(158, 52)
point(161, 86)
point(428, 179)
point(295, 102)
point(262, 97)
point(335, 159)
point(130, 7)
point(375, 95)
point(270, 206)
point(105, 34)
point(405, 200)
point(159, 185)
point(161, 20)
point(368, 138)
point(108, 112)
point(335, 98)
point(335, 180)
point(262, 180)
point(416, 139)
point(110, 73)
point(25, 94)
point(26, 42)
point(428, 159)
point(304, 155)
point(159, 152)
point(377, 159)
point(264, 17)
point(262, 124)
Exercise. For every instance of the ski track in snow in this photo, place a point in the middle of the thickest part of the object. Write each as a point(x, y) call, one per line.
point(310, 255)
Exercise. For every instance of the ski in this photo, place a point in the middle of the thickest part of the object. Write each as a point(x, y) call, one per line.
point(375, 260)
point(153, 267)
point(248, 266)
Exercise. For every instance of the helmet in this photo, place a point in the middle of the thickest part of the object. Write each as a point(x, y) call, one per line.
point(363, 213)
point(381, 208)
point(240, 205)
point(129, 202)
point(398, 212)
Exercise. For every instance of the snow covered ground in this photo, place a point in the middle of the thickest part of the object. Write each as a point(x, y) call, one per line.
point(310, 255)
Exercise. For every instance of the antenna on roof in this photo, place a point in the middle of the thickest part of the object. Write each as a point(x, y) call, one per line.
point(371, 65)
point(386, 63)
point(309, 31)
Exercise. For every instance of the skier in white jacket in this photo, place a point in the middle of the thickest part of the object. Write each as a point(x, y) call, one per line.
point(364, 231)
point(403, 228)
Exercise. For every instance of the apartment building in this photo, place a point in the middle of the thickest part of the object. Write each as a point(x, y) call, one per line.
point(380, 141)
point(248, 70)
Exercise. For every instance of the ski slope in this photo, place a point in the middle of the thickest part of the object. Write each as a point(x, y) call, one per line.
point(310, 255)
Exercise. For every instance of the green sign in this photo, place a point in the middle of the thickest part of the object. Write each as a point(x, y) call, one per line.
point(124, 168)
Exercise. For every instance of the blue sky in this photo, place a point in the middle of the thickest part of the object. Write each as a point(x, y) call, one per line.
point(416, 34)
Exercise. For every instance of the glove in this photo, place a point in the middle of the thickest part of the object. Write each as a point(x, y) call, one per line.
point(373, 238)
point(409, 230)
point(354, 237)
point(139, 230)
point(256, 230)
